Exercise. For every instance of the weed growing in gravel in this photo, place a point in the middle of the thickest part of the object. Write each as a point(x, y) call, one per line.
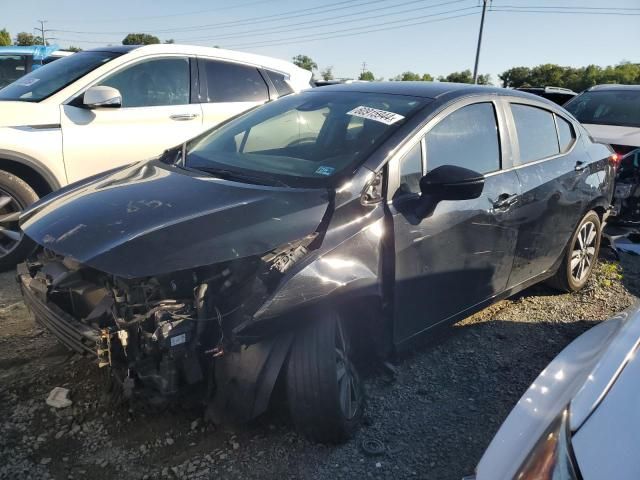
point(609, 273)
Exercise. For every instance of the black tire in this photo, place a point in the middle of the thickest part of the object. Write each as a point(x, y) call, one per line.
point(15, 196)
point(312, 380)
point(572, 279)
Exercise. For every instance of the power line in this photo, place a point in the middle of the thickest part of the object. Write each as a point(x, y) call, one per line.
point(305, 12)
point(304, 39)
point(564, 12)
point(564, 7)
point(331, 21)
point(179, 14)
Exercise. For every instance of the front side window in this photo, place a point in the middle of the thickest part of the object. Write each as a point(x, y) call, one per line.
point(607, 107)
point(566, 134)
point(466, 138)
point(51, 78)
point(231, 82)
point(152, 83)
point(12, 67)
point(309, 139)
point(537, 136)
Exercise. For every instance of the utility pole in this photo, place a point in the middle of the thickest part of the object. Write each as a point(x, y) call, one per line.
point(42, 31)
point(364, 67)
point(475, 68)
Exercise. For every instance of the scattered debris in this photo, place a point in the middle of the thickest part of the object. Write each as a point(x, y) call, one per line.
point(59, 398)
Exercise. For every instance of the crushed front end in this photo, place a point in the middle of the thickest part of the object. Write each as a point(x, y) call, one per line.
point(168, 335)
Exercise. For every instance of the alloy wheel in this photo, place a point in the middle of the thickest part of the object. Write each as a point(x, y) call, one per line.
point(348, 382)
point(584, 250)
point(10, 233)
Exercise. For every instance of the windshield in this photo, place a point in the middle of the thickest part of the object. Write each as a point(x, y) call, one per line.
point(608, 107)
point(49, 79)
point(308, 139)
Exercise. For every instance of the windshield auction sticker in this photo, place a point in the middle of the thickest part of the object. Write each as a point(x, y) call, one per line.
point(382, 116)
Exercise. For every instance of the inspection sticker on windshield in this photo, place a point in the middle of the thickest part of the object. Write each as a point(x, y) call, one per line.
point(326, 171)
point(382, 116)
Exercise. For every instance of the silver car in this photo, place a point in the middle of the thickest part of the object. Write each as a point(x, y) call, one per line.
point(580, 419)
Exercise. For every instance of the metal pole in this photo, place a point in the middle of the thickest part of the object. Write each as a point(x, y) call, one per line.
point(42, 22)
point(475, 68)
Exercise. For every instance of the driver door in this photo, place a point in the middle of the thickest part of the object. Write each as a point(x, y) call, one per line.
point(156, 114)
point(462, 253)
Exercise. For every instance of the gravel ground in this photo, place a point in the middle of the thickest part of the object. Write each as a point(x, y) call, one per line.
point(434, 419)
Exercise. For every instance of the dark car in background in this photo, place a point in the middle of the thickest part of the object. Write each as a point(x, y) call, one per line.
point(344, 219)
point(17, 61)
point(611, 115)
point(557, 95)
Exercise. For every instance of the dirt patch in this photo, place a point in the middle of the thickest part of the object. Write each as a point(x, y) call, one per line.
point(433, 420)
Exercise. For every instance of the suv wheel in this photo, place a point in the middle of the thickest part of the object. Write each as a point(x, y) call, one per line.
point(580, 255)
point(15, 196)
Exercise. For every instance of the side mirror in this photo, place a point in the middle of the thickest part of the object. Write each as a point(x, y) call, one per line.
point(449, 182)
point(102, 97)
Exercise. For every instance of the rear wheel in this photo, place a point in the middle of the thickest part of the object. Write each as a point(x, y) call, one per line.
point(15, 196)
point(324, 390)
point(580, 256)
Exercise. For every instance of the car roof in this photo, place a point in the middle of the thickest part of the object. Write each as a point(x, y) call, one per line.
point(230, 55)
point(613, 87)
point(431, 90)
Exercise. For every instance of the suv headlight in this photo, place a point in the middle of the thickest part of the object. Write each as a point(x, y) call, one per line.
point(552, 458)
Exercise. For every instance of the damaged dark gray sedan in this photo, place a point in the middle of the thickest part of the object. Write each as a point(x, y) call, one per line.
point(348, 218)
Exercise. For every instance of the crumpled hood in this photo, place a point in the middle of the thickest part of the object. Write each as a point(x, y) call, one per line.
point(28, 114)
point(612, 134)
point(152, 218)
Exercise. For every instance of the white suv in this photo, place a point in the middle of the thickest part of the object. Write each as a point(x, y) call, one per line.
point(107, 107)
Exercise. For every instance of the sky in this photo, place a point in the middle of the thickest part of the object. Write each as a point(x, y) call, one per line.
point(389, 36)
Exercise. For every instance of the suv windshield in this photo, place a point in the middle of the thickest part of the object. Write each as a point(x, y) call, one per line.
point(47, 80)
point(607, 107)
point(307, 139)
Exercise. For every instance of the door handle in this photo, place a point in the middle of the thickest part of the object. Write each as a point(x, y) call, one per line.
point(580, 165)
point(182, 117)
point(505, 201)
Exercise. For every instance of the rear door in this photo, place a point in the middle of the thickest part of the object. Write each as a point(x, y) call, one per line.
point(553, 177)
point(227, 89)
point(460, 255)
point(157, 113)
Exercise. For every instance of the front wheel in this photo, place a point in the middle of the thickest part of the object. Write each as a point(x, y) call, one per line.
point(15, 196)
point(324, 391)
point(580, 256)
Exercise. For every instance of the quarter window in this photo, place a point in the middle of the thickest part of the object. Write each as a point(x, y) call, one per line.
point(152, 83)
point(230, 82)
point(279, 81)
point(537, 136)
point(566, 135)
point(467, 138)
point(411, 170)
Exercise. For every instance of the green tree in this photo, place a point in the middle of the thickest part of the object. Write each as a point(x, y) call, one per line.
point(140, 39)
point(327, 73)
point(71, 48)
point(367, 75)
point(407, 77)
point(303, 61)
point(5, 38)
point(465, 77)
point(24, 39)
point(426, 77)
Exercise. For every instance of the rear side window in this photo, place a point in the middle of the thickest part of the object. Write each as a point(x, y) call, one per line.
point(230, 82)
point(566, 135)
point(12, 67)
point(536, 131)
point(466, 138)
point(280, 82)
